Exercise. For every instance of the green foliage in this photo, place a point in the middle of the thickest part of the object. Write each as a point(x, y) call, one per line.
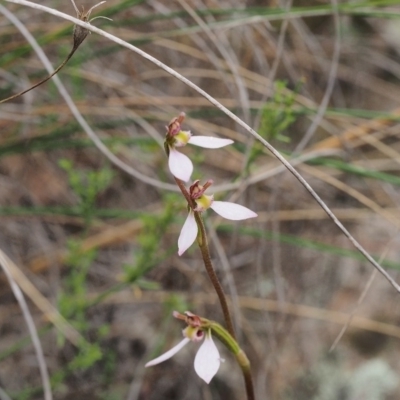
point(73, 304)
point(276, 116)
point(72, 300)
point(86, 185)
point(278, 113)
point(88, 354)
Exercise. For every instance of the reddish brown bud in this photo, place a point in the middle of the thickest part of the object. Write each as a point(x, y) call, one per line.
point(174, 127)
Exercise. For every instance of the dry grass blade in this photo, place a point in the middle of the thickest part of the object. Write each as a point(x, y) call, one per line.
point(231, 115)
point(48, 310)
point(13, 277)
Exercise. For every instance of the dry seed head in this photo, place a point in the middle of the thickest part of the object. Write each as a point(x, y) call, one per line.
point(80, 33)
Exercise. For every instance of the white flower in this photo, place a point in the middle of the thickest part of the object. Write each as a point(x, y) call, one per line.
point(232, 211)
point(179, 164)
point(207, 360)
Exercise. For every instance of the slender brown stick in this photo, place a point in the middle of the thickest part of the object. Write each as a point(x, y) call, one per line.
point(14, 96)
point(248, 379)
point(205, 252)
point(79, 35)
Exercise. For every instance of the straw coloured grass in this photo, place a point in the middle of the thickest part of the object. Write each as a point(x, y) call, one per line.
point(90, 213)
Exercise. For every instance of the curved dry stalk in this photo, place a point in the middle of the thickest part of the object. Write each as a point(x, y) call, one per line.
point(74, 110)
point(7, 266)
point(48, 310)
point(231, 115)
point(58, 69)
point(79, 36)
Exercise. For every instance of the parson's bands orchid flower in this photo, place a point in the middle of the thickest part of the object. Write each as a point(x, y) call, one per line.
point(179, 164)
point(232, 211)
point(207, 360)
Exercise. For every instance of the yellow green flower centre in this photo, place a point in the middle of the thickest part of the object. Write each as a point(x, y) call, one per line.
point(181, 138)
point(204, 202)
point(193, 333)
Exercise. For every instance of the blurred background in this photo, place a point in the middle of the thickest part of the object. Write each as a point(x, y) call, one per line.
point(318, 80)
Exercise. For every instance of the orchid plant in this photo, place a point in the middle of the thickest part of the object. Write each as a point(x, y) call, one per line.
point(179, 164)
point(207, 360)
point(225, 209)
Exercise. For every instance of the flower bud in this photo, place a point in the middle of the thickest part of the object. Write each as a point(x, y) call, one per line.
point(174, 126)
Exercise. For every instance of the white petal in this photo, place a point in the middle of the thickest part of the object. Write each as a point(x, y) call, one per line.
point(188, 233)
point(180, 165)
point(207, 361)
point(232, 211)
point(168, 354)
point(209, 142)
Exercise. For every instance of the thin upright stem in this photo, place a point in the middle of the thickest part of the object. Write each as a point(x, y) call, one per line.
point(205, 252)
point(244, 363)
point(241, 357)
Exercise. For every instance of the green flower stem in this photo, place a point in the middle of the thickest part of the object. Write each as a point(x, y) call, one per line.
point(226, 336)
point(244, 364)
point(205, 252)
point(231, 344)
